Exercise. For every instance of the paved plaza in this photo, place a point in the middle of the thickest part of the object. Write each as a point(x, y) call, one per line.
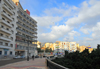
point(38, 63)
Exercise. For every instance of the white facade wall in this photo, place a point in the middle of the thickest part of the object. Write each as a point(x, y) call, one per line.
point(10, 8)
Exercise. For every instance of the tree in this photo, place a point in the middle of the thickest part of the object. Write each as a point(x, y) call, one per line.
point(39, 50)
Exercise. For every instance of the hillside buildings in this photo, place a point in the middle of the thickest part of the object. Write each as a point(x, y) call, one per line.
point(17, 30)
point(82, 48)
point(61, 46)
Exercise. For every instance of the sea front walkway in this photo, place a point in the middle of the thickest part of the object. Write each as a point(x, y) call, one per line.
point(37, 63)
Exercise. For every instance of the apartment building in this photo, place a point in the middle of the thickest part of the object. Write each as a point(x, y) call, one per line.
point(26, 32)
point(17, 30)
point(62, 46)
point(8, 13)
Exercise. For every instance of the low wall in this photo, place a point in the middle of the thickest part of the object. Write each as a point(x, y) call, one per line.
point(53, 65)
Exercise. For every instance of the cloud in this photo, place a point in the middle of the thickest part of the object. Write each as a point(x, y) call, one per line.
point(86, 14)
point(70, 35)
point(85, 30)
point(46, 21)
point(96, 33)
point(56, 33)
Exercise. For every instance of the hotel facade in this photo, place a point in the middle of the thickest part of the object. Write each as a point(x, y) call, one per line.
point(17, 30)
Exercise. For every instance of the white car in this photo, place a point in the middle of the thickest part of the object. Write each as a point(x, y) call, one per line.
point(16, 57)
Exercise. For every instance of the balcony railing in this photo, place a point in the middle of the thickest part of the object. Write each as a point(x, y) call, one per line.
point(28, 19)
point(4, 30)
point(5, 39)
point(9, 3)
point(3, 13)
point(21, 41)
point(21, 35)
point(34, 40)
point(25, 27)
point(5, 47)
point(7, 9)
point(25, 22)
point(8, 24)
point(53, 65)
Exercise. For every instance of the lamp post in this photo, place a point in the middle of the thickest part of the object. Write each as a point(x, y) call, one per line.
point(28, 50)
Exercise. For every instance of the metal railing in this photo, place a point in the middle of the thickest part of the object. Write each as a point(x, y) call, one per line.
point(53, 65)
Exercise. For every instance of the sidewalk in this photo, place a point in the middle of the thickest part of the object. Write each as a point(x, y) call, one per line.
point(37, 63)
point(6, 59)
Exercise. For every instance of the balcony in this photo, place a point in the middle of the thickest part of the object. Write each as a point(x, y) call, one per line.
point(19, 29)
point(23, 16)
point(4, 22)
point(34, 44)
point(4, 30)
point(22, 36)
point(5, 39)
point(34, 32)
point(35, 24)
point(20, 41)
point(19, 47)
point(21, 25)
point(4, 14)
point(35, 36)
point(4, 6)
point(24, 21)
point(25, 27)
point(34, 40)
point(9, 3)
point(5, 47)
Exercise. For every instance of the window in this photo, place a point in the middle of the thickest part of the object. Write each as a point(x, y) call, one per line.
point(13, 19)
point(7, 28)
point(0, 52)
point(8, 22)
point(10, 52)
point(11, 38)
point(11, 45)
point(2, 26)
point(8, 15)
point(14, 13)
point(1, 34)
point(4, 11)
point(1, 43)
point(3, 18)
point(13, 25)
point(6, 36)
point(9, 9)
point(12, 31)
point(6, 44)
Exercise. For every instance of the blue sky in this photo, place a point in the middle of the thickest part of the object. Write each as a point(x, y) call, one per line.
point(66, 20)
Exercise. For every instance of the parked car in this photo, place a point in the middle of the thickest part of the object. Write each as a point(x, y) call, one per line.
point(16, 57)
point(36, 56)
point(44, 56)
point(22, 56)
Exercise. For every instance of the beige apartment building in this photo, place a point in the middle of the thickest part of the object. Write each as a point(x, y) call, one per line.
point(17, 30)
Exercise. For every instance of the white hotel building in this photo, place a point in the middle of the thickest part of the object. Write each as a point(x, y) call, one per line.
point(17, 30)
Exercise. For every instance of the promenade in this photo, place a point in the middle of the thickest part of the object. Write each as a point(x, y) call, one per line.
point(37, 63)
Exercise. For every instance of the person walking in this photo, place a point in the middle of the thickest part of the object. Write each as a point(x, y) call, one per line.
point(33, 57)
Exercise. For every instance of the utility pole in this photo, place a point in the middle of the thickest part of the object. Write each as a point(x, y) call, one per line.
point(28, 50)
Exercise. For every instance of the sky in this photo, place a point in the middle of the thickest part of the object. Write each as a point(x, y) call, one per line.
point(66, 20)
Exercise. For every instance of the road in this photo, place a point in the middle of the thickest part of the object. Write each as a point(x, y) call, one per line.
point(4, 62)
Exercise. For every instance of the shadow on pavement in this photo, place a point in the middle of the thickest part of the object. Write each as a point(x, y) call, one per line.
point(5, 62)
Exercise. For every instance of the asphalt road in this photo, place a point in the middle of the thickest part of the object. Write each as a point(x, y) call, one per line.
point(4, 62)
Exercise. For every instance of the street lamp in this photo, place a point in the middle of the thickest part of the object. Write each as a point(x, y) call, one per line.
point(28, 50)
